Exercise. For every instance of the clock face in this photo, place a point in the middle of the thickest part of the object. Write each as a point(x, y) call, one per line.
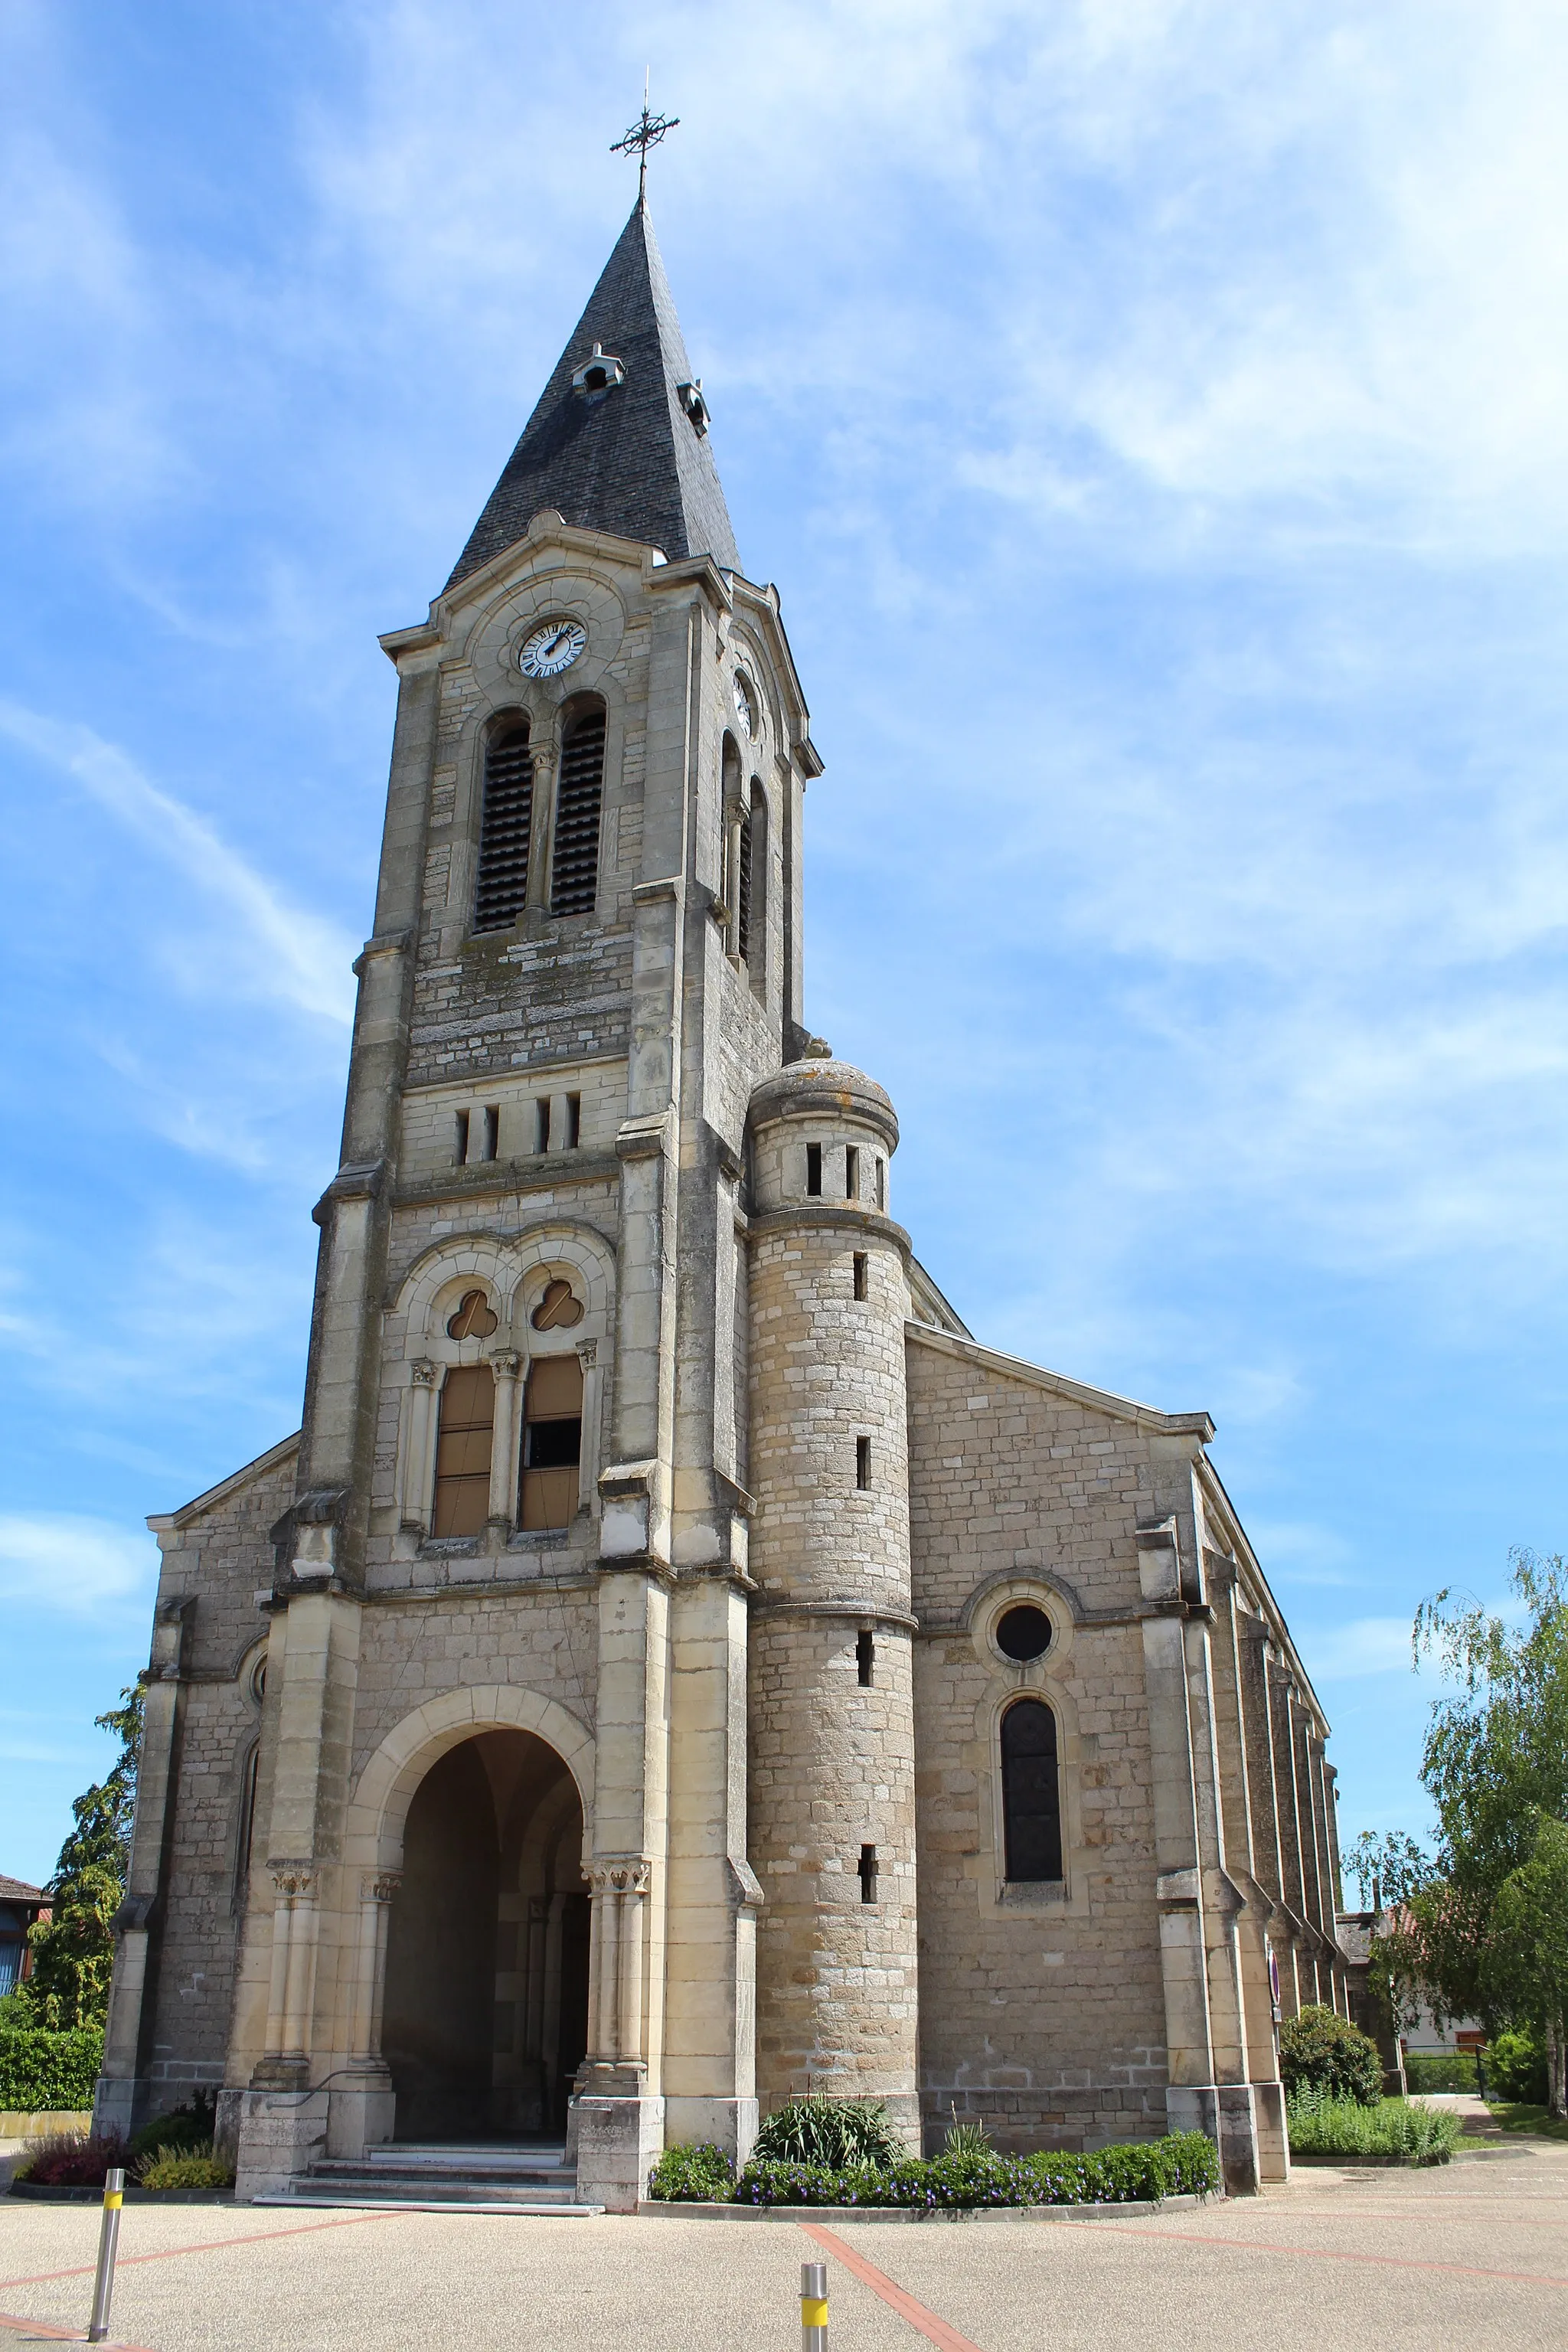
point(552, 648)
point(745, 702)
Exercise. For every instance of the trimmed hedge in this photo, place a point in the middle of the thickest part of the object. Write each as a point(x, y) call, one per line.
point(1185, 2164)
point(42, 2072)
point(1441, 2070)
point(1321, 2050)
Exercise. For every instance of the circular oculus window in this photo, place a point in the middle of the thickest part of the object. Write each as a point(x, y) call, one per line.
point(1023, 1632)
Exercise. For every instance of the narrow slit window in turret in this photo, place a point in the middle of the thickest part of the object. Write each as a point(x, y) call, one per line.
point(576, 880)
point(868, 1868)
point(865, 1658)
point(552, 1441)
point(463, 1451)
point(1031, 1794)
point(504, 831)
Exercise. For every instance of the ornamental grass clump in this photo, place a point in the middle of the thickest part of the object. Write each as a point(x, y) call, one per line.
point(834, 2132)
point(184, 2167)
point(1397, 2131)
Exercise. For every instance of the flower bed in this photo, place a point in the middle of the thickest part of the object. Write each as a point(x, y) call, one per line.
point(1185, 2164)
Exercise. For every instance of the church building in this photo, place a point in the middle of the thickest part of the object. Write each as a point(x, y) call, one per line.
point(676, 1664)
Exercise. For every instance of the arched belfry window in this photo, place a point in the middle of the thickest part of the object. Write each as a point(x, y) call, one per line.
point(743, 894)
point(575, 880)
point(1031, 1793)
point(751, 926)
point(505, 829)
point(466, 1432)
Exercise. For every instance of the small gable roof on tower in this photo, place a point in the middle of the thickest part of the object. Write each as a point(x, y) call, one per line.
point(628, 456)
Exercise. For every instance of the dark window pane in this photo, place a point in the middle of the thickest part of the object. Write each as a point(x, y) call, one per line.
point(1031, 1798)
point(1025, 1633)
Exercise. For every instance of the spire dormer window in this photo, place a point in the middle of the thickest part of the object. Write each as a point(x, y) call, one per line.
point(600, 372)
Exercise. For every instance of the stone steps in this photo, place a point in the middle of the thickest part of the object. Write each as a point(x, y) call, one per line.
point(480, 2176)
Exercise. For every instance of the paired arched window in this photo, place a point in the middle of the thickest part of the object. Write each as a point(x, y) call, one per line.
point(506, 823)
point(551, 1441)
point(464, 1434)
point(506, 830)
point(1031, 1793)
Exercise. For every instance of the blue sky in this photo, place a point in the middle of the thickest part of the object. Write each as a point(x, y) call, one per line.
point(1155, 417)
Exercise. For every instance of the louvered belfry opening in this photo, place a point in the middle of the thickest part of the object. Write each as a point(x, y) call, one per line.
point(575, 883)
point(504, 831)
point(744, 889)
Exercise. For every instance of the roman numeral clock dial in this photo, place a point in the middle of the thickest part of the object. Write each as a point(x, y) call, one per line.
point(551, 648)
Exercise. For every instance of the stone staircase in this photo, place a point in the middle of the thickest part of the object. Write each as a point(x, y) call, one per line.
point(443, 2176)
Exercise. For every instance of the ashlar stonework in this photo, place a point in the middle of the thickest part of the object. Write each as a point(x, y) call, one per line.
point(676, 1665)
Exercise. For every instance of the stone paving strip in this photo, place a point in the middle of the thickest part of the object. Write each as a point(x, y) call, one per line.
point(1474, 2257)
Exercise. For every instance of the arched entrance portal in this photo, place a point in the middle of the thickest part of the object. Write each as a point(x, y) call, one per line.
point(486, 2014)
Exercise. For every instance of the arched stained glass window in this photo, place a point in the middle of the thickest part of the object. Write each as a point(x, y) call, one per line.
point(1031, 1793)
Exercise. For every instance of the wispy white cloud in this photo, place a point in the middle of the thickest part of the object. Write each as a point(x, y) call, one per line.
point(74, 1567)
point(1368, 1645)
point(294, 955)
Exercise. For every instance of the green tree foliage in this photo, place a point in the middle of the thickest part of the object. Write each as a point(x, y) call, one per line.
point(1482, 1929)
point(1322, 2053)
point(73, 1951)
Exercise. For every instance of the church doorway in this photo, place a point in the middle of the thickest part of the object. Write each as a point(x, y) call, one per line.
point(485, 2020)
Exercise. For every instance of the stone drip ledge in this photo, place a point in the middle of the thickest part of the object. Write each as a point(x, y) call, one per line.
point(1135, 2208)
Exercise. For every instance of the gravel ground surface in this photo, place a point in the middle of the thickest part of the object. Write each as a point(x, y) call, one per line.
point(1473, 2254)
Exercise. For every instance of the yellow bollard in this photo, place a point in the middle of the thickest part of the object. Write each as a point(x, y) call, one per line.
point(108, 2240)
point(814, 2307)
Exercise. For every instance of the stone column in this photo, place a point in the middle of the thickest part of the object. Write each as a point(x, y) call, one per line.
point(592, 1408)
point(360, 2106)
point(506, 1438)
point(417, 1467)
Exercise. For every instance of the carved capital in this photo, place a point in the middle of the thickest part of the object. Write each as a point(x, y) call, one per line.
point(506, 1363)
point(296, 1882)
point(381, 1886)
point(587, 1353)
point(622, 1874)
point(423, 1373)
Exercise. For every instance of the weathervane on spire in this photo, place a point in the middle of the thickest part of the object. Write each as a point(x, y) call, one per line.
point(646, 132)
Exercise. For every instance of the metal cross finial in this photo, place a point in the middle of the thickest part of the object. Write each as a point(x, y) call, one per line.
point(646, 132)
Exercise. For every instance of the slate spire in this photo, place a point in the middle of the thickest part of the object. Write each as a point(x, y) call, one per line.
point(630, 456)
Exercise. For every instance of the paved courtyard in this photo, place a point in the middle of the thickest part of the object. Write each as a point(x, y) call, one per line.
point(1475, 2256)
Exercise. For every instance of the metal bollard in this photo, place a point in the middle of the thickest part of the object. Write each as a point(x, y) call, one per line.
point(108, 2239)
point(814, 2307)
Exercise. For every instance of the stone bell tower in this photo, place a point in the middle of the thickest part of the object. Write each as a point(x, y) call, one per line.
point(586, 955)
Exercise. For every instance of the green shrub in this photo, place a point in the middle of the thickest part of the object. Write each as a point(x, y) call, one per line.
point(40, 2070)
point(692, 2174)
point(1185, 2164)
point(1321, 2050)
point(186, 2168)
point(1446, 2070)
point(1516, 2070)
point(831, 2132)
point(181, 2127)
point(1402, 2130)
